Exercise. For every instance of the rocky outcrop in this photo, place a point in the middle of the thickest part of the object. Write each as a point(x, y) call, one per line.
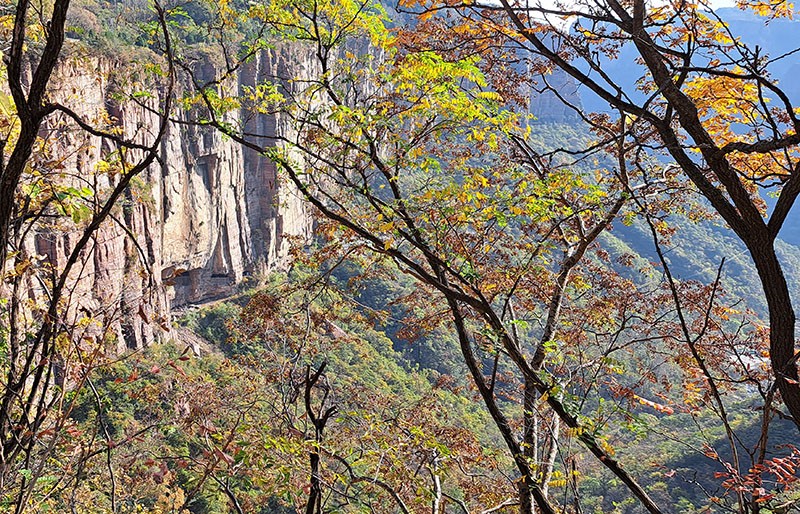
point(555, 98)
point(226, 214)
point(192, 227)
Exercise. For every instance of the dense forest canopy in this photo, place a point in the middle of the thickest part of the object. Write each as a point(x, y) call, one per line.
point(546, 273)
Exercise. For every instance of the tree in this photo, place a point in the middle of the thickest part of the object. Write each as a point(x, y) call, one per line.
point(422, 197)
point(49, 345)
point(714, 107)
point(414, 154)
point(368, 432)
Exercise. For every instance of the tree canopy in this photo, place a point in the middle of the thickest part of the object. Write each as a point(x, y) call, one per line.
point(408, 129)
point(419, 153)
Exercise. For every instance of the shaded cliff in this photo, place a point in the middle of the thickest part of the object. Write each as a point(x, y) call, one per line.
point(555, 98)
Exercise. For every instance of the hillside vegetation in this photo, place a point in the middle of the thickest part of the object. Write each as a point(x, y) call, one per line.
point(589, 312)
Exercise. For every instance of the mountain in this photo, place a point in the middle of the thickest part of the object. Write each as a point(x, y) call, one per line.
point(209, 215)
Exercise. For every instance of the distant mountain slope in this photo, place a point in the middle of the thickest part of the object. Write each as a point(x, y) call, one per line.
point(776, 41)
point(697, 249)
point(696, 252)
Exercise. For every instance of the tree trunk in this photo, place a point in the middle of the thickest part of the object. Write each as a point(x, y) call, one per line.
point(781, 322)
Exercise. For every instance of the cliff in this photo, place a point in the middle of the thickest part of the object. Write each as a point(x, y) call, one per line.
point(555, 98)
point(193, 226)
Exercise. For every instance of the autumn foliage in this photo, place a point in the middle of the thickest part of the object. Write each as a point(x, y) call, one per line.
point(559, 368)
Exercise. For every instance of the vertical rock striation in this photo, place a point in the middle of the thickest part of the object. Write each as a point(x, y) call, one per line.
point(193, 226)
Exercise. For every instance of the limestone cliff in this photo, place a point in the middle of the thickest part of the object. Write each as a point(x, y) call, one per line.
point(193, 226)
point(555, 98)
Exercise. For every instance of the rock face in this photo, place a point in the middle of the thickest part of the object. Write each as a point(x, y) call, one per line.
point(225, 212)
point(193, 226)
point(550, 107)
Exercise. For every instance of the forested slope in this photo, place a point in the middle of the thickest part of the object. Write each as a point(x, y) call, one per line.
point(494, 313)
